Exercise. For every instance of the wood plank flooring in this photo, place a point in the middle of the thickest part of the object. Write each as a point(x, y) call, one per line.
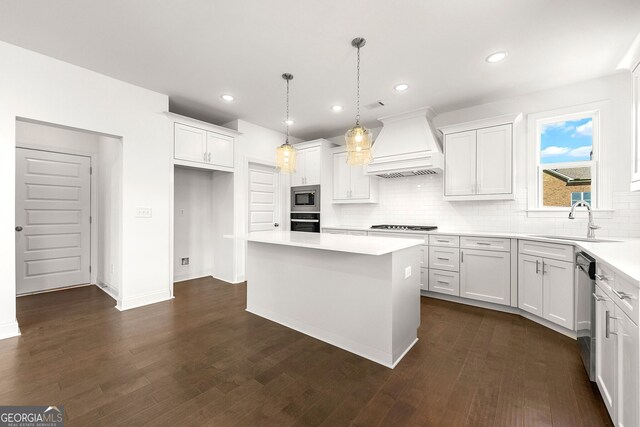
point(201, 359)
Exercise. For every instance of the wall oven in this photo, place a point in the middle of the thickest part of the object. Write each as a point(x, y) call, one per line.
point(305, 221)
point(305, 198)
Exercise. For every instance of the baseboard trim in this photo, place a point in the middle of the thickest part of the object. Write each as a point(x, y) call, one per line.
point(503, 308)
point(184, 277)
point(142, 300)
point(9, 330)
point(107, 289)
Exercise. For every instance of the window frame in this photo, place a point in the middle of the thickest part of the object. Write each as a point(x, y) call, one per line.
point(600, 179)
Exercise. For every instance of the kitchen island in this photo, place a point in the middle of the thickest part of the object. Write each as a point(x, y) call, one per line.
point(359, 293)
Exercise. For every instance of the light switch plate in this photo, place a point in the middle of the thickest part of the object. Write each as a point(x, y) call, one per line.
point(407, 272)
point(143, 213)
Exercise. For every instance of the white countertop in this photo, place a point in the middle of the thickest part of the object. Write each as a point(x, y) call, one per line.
point(365, 245)
point(623, 254)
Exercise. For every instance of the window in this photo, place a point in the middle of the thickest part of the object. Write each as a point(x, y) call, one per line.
point(566, 158)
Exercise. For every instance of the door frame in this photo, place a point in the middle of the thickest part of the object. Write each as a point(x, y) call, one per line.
point(93, 228)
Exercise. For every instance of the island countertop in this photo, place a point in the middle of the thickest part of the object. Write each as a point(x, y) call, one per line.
point(365, 245)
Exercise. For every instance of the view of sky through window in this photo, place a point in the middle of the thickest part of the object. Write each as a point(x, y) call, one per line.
point(566, 141)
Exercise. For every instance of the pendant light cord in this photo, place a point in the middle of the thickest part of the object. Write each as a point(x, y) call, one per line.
point(358, 89)
point(287, 121)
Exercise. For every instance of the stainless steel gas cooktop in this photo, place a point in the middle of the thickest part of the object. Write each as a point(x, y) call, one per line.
point(404, 227)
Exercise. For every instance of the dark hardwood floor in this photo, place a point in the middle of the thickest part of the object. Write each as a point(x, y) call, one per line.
point(202, 360)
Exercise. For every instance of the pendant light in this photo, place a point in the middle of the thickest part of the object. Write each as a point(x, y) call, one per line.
point(358, 138)
point(286, 154)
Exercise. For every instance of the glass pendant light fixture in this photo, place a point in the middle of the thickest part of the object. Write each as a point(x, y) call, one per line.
point(286, 154)
point(358, 138)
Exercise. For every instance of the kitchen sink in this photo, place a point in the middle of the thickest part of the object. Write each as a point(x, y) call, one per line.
point(574, 238)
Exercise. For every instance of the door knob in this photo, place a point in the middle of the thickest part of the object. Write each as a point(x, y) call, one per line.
point(276, 225)
point(19, 228)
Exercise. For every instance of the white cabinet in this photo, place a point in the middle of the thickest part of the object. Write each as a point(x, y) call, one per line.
point(350, 184)
point(199, 147)
point(546, 285)
point(444, 282)
point(460, 164)
point(424, 278)
point(627, 370)
point(485, 275)
point(635, 157)
point(308, 162)
point(479, 160)
point(605, 351)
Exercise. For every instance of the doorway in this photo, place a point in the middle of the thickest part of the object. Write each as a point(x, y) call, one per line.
point(53, 215)
point(265, 201)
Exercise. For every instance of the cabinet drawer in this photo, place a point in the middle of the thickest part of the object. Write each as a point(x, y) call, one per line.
point(441, 240)
point(399, 235)
point(488, 243)
point(444, 282)
point(444, 258)
point(625, 296)
point(605, 278)
point(546, 250)
point(333, 231)
point(357, 233)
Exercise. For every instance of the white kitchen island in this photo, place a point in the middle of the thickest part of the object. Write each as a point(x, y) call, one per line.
point(359, 293)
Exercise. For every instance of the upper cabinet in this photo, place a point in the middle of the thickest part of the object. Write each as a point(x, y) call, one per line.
point(635, 167)
point(350, 184)
point(479, 160)
point(202, 145)
point(308, 161)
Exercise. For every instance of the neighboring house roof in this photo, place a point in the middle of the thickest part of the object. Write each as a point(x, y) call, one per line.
point(571, 176)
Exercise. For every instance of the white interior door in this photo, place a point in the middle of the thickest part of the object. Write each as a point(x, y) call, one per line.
point(53, 208)
point(264, 198)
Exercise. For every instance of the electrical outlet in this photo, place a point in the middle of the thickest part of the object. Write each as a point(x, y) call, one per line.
point(181, 212)
point(407, 272)
point(143, 212)
point(184, 261)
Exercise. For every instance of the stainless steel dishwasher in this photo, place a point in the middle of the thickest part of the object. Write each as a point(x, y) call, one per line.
point(586, 312)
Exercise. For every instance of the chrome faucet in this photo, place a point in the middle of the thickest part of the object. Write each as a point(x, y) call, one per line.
point(591, 227)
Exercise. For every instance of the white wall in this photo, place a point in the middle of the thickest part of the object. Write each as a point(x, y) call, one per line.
point(193, 224)
point(109, 214)
point(37, 87)
point(418, 200)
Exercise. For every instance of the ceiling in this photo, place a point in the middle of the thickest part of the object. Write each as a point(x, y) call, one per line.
point(196, 50)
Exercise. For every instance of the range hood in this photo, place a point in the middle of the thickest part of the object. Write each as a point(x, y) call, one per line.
point(406, 146)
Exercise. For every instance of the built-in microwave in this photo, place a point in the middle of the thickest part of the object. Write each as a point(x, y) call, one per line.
point(305, 198)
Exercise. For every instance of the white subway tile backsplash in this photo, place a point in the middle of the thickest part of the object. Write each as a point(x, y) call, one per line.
point(418, 200)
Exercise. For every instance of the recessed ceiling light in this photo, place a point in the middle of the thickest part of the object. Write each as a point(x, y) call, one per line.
point(496, 57)
point(337, 108)
point(401, 87)
point(227, 97)
point(289, 122)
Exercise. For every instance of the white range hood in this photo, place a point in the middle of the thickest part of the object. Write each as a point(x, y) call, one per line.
point(406, 146)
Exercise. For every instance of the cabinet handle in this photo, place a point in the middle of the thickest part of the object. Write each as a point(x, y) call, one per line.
point(544, 268)
point(602, 278)
point(622, 295)
point(483, 243)
point(598, 297)
point(537, 266)
point(442, 241)
point(443, 259)
point(204, 157)
point(607, 324)
point(461, 256)
point(442, 281)
point(209, 157)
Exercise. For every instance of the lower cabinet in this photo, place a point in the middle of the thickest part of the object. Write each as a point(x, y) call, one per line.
point(617, 362)
point(444, 282)
point(424, 278)
point(545, 288)
point(485, 276)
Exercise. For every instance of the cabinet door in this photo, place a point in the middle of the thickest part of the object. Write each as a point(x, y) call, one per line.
point(190, 143)
point(444, 282)
point(444, 258)
point(635, 167)
point(485, 276)
point(341, 177)
point(297, 177)
point(460, 163)
point(530, 284)
point(628, 370)
point(360, 183)
point(606, 368)
point(424, 278)
point(312, 161)
point(557, 291)
point(219, 149)
point(495, 162)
